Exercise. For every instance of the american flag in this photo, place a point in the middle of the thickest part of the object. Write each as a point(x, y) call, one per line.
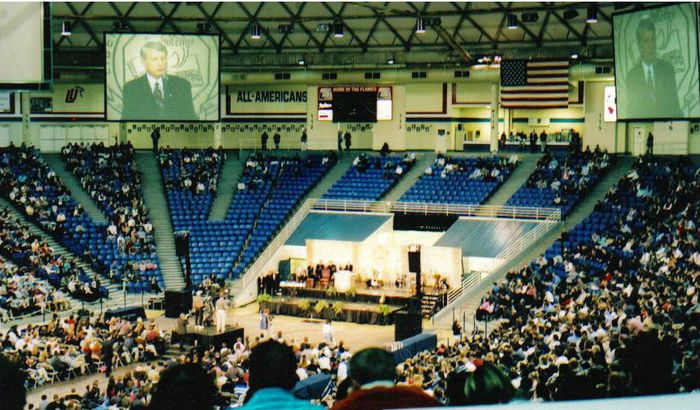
point(534, 84)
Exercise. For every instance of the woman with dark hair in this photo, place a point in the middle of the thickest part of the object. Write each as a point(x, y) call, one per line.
point(184, 387)
point(487, 384)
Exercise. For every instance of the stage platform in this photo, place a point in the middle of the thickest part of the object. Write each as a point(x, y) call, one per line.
point(208, 336)
point(336, 227)
point(392, 296)
point(484, 238)
point(363, 313)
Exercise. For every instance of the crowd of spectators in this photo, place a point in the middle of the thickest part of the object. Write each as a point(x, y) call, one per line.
point(612, 315)
point(191, 170)
point(33, 277)
point(478, 169)
point(109, 174)
point(561, 179)
point(31, 186)
point(62, 349)
point(230, 368)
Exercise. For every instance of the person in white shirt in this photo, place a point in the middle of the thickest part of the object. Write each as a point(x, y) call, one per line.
point(328, 333)
point(221, 307)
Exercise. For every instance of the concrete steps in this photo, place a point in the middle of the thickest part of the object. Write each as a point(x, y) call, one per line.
point(527, 165)
point(471, 299)
point(73, 183)
point(422, 162)
point(230, 174)
point(158, 211)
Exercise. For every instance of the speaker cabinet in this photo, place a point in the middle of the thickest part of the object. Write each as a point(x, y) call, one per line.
point(176, 302)
point(406, 325)
point(414, 261)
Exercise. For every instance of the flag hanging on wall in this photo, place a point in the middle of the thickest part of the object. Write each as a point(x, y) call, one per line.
point(534, 84)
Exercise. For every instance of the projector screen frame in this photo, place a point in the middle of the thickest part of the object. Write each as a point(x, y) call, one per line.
point(47, 58)
point(147, 33)
point(617, 88)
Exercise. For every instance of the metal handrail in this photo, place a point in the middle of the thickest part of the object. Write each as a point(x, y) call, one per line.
point(467, 284)
point(484, 211)
point(252, 273)
point(526, 240)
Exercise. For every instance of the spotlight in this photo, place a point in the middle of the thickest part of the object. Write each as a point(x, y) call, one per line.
point(66, 28)
point(390, 61)
point(420, 25)
point(574, 56)
point(512, 22)
point(338, 29)
point(592, 15)
point(301, 61)
point(255, 32)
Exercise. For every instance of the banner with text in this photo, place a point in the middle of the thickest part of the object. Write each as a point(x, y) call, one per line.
point(267, 100)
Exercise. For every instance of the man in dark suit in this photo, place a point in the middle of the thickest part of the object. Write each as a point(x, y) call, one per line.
point(157, 95)
point(651, 84)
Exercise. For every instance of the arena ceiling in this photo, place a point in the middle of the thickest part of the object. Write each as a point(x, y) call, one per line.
point(372, 32)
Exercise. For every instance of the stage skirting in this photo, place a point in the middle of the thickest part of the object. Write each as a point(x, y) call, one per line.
point(359, 297)
point(412, 345)
point(354, 313)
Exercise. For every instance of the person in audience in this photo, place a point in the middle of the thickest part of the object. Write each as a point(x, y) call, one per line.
point(185, 386)
point(12, 390)
point(272, 377)
point(373, 373)
point(485, 384)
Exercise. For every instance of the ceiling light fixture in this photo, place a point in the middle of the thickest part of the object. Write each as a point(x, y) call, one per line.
point(66, 28)
point(338, 29)
point(512, 22)
point(255, 31)
point(592, 15)
point(420, 25)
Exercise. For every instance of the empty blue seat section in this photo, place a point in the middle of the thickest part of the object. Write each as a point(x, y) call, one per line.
point(369, 178)
point(460, 180)
point(269, 189)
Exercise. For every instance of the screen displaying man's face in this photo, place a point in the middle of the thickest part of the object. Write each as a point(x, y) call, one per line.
point(647, 45)
point(156, 63)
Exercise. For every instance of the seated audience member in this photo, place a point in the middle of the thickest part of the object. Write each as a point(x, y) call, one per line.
point(12, 390)
point(373, 372)
point(272, 377)
point(186, 386)
point(486, 384)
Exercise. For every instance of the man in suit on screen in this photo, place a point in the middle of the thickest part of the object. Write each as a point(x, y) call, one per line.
point(651, 84)
point(157, 95)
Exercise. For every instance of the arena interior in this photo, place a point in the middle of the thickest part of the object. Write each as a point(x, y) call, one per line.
point(350, 205)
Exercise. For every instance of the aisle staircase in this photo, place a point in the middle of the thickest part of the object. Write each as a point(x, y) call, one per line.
point(230, 174)
point(526, 166)
point(157, 205)
point(422, 162)
point(73, 183)
point(466, 305)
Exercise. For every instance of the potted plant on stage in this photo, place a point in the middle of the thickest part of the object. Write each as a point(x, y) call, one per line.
point(338, 309)
point(351, 293)
point(320, 307)
point(304, 307)
point(384, 311)
point(264, 300)
point(331, 292)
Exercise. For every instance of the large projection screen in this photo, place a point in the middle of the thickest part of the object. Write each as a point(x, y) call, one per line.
point(162, 77)
point(656, 63)
point(21, 42)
